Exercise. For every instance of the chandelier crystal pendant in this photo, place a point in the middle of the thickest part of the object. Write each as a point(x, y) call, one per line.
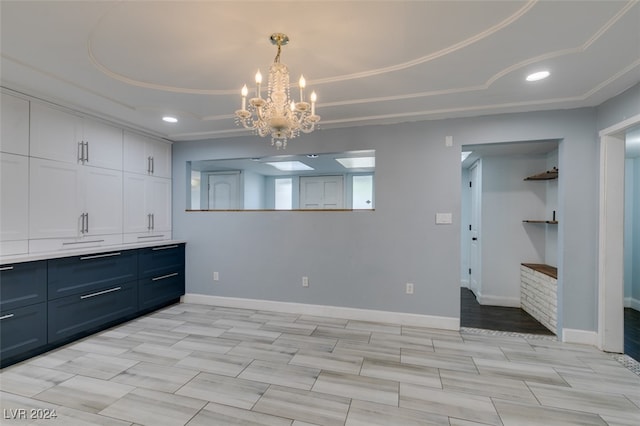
point(278, 115)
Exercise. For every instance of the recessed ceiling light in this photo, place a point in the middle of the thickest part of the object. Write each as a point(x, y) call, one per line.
point(312, 155)
point(169, 119)
point(540, 75)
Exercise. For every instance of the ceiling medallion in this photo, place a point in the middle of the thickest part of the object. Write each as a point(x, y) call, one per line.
point(278, 115)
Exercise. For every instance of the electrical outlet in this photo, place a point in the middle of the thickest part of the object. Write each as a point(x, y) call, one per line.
point(216, 276)
point(409, 288)
point(305, 281)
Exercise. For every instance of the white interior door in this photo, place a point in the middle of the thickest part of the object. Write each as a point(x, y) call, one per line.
point(474, 246)
point(321, 192)
point(224, 191)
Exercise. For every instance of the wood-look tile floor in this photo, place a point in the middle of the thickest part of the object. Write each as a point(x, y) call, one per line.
point(200, 365)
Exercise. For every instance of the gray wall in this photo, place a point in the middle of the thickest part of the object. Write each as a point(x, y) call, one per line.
point(506, 241)
point(364, 259)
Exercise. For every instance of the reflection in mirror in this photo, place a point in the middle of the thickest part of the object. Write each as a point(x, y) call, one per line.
point(336, 181)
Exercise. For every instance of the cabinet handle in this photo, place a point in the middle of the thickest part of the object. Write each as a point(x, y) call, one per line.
point(6, 316)
point(164, 248)
point(86, 229)
point(86, 158)
point(153, 165)
point(153, 221)
point(6, 268)
point(151, 236)
point(164, 277)
point(83, 242)
point(82, 223)
point(100, 293)
point(81, 152)
point(98, 256)
point(149, 164)
point(148, 221)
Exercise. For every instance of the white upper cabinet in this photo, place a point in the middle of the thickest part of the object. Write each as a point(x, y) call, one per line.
point(55, 205)
point(147, 156)
point(58, 135)
point(71, 201)
point(14, 187)
point(14, 125)
point(147, 207)
point(103, 145)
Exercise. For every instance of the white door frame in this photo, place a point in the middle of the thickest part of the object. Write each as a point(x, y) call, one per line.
point(610, 237)
point(475, 177)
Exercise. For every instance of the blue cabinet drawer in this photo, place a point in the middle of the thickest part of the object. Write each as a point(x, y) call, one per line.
point(22, 329)
point(85, 274)
point(155, 291)
point(23, 284)
point(161, 260)
point(73, 315)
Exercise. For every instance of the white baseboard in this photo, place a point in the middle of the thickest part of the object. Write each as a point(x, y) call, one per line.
point(401, 318)
point(630, 302)
point(509, 302)
point(582, 337)
point(464, 283)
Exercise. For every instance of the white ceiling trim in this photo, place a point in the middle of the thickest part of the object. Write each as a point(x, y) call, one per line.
point(385, 70)
point(457, 46)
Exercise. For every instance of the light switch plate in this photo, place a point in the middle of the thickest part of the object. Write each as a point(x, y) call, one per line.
point(444, 218)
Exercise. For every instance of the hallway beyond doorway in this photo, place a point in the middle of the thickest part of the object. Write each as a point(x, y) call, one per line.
point(475, 315)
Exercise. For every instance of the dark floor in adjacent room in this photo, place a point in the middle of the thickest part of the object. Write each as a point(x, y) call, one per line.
point(475, 315)
point(632, 333)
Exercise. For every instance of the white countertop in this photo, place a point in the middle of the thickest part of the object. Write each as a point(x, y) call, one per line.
point(21, 258)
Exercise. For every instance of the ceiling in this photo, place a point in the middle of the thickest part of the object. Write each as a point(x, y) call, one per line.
point(371, 62)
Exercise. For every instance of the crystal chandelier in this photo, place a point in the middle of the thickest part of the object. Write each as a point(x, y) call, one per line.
point(278, 115)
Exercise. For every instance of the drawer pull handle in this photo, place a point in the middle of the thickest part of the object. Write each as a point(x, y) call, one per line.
point(6, 268)
point(98, 256)
point(151, 236)
point(100, 293)
point(164, 248)
point(6, 316)
point(83, 242)
point(164, 276)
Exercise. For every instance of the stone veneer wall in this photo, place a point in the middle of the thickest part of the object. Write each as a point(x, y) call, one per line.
point(538, 296)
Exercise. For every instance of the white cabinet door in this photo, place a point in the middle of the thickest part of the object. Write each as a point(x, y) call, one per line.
point(147, 204)
point(104, 145)
point(136, 159)
point(14, 197)
point(14, 125)
point(136, 216)
point(159, 199)
point(160, 153)
point(102, 189)
point(146, 155)
point(55, 135)
point(55, 199)
point(321, 192)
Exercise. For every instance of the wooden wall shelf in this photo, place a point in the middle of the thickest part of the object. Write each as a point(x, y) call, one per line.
point(548, 175)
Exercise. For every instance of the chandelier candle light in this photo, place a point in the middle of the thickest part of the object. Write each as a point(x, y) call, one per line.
point(278, 115)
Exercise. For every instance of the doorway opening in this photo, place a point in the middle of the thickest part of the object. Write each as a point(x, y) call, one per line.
point(508, 220)
point(618, 236)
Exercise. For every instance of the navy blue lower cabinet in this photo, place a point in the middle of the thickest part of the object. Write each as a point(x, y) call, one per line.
point(22, 330)
point(85, 274)
point(161, 260)
point(78, 314)
point(157, 291)
point(23, 284)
